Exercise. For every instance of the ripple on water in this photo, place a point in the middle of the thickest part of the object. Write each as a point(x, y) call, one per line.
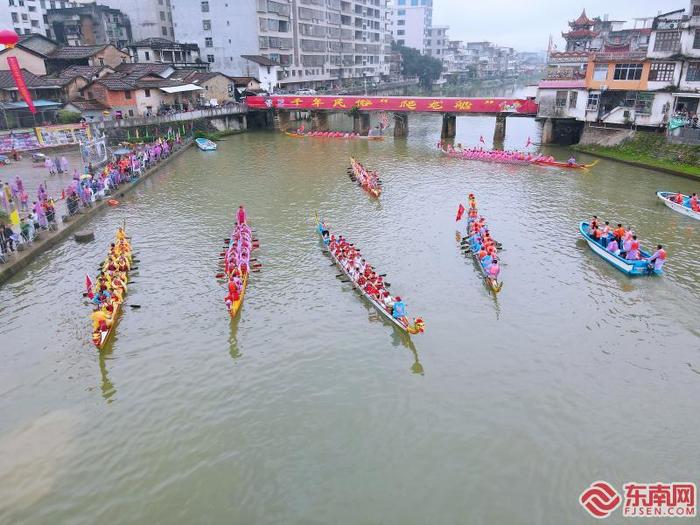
point(309, 408)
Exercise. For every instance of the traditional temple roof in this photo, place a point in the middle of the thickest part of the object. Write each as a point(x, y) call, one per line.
point(580, 33)
point(582, 21)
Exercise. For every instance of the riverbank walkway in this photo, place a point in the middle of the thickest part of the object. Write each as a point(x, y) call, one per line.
point(47, 239)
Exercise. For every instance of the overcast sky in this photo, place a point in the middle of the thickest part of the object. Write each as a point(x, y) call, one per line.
point(527, 24)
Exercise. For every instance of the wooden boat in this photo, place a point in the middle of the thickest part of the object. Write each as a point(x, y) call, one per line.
point(417, 327)
point(101, 337)
point(665, 197)
point(557, 164)
point(356, 167)
point(492, 283)
point(205, 144)
point(632, 268)
point(236, 305)
point(345, 136)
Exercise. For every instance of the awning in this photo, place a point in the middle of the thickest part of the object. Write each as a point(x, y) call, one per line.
point(181, 89)
point(686, 95)
point(44, 104)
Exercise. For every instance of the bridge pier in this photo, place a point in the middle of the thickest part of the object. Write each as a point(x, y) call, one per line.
point(282, 120)
point(449, 126)
point(401, 124)
point(319, 120)
point(499, 132)
point(361, 123)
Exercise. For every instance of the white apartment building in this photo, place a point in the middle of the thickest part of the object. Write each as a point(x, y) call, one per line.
point(314, 42)
point(149, 18)
point(412, 21)
point(437, 43)
point(29, 16)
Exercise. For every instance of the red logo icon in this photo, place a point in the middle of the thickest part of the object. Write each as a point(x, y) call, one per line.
point(600, 499)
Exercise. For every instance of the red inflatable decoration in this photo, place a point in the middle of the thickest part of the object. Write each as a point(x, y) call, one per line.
point(8, 38)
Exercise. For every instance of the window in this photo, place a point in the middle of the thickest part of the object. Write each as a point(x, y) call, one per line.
point(24, 17)
point(208, 42)
point(12, 2)
point(172, 33)
point(560, 101)
point(628, 71)
point(148, 56)
point(15, 18)
point(667, 41)
point(696, 38)
point(400, 22)
point(600, 72)
point(205, 7)
point(162, 16)
point(27, 31)
point(127, 95)
point(573, 99)
point(593, 100)
point(206, 25)
point(662, 71)
point(696, 10)
point(131, 112)
point(400, 32)
point(693, 74)
point(401, 42)
point(35, 23)
point(643, 103)
point(146, 92)
point(210, 58)
point(102, 61)
point(32, 8)
point(164, 31)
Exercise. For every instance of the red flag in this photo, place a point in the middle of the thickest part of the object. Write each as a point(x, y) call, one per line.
point(21, 84)
point(460, 212)
point(481, 139)
point(88, 286)
point(529, 143)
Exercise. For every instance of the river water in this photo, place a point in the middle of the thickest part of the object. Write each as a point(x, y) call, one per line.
point(309, 409)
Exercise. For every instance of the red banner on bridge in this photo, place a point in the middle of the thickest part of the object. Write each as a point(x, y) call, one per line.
point(407, 104)
point(19, 81)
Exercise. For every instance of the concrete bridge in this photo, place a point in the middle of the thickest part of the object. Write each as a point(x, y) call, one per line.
point(450, 107)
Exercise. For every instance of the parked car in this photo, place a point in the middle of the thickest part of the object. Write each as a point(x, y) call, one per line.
point(306, 92)
point(38, 157)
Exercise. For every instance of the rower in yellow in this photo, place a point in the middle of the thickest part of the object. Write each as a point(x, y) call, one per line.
point(99, 319)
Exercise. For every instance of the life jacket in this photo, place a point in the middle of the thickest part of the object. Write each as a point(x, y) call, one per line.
point(399, 309)
point(635, 245)
point(662, 254)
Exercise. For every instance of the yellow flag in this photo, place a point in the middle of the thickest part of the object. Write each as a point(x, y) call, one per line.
point(14, 217)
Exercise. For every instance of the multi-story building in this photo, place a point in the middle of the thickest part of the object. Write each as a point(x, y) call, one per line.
point(88, 25)
point(313, 42)
point(437, 42)
point(149, 18)
point(412, 20)
point(29, 16)
point(163, 51)
point(626, 77)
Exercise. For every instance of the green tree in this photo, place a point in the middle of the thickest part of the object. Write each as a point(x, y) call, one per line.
point(426, 68)
point(68, 117)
